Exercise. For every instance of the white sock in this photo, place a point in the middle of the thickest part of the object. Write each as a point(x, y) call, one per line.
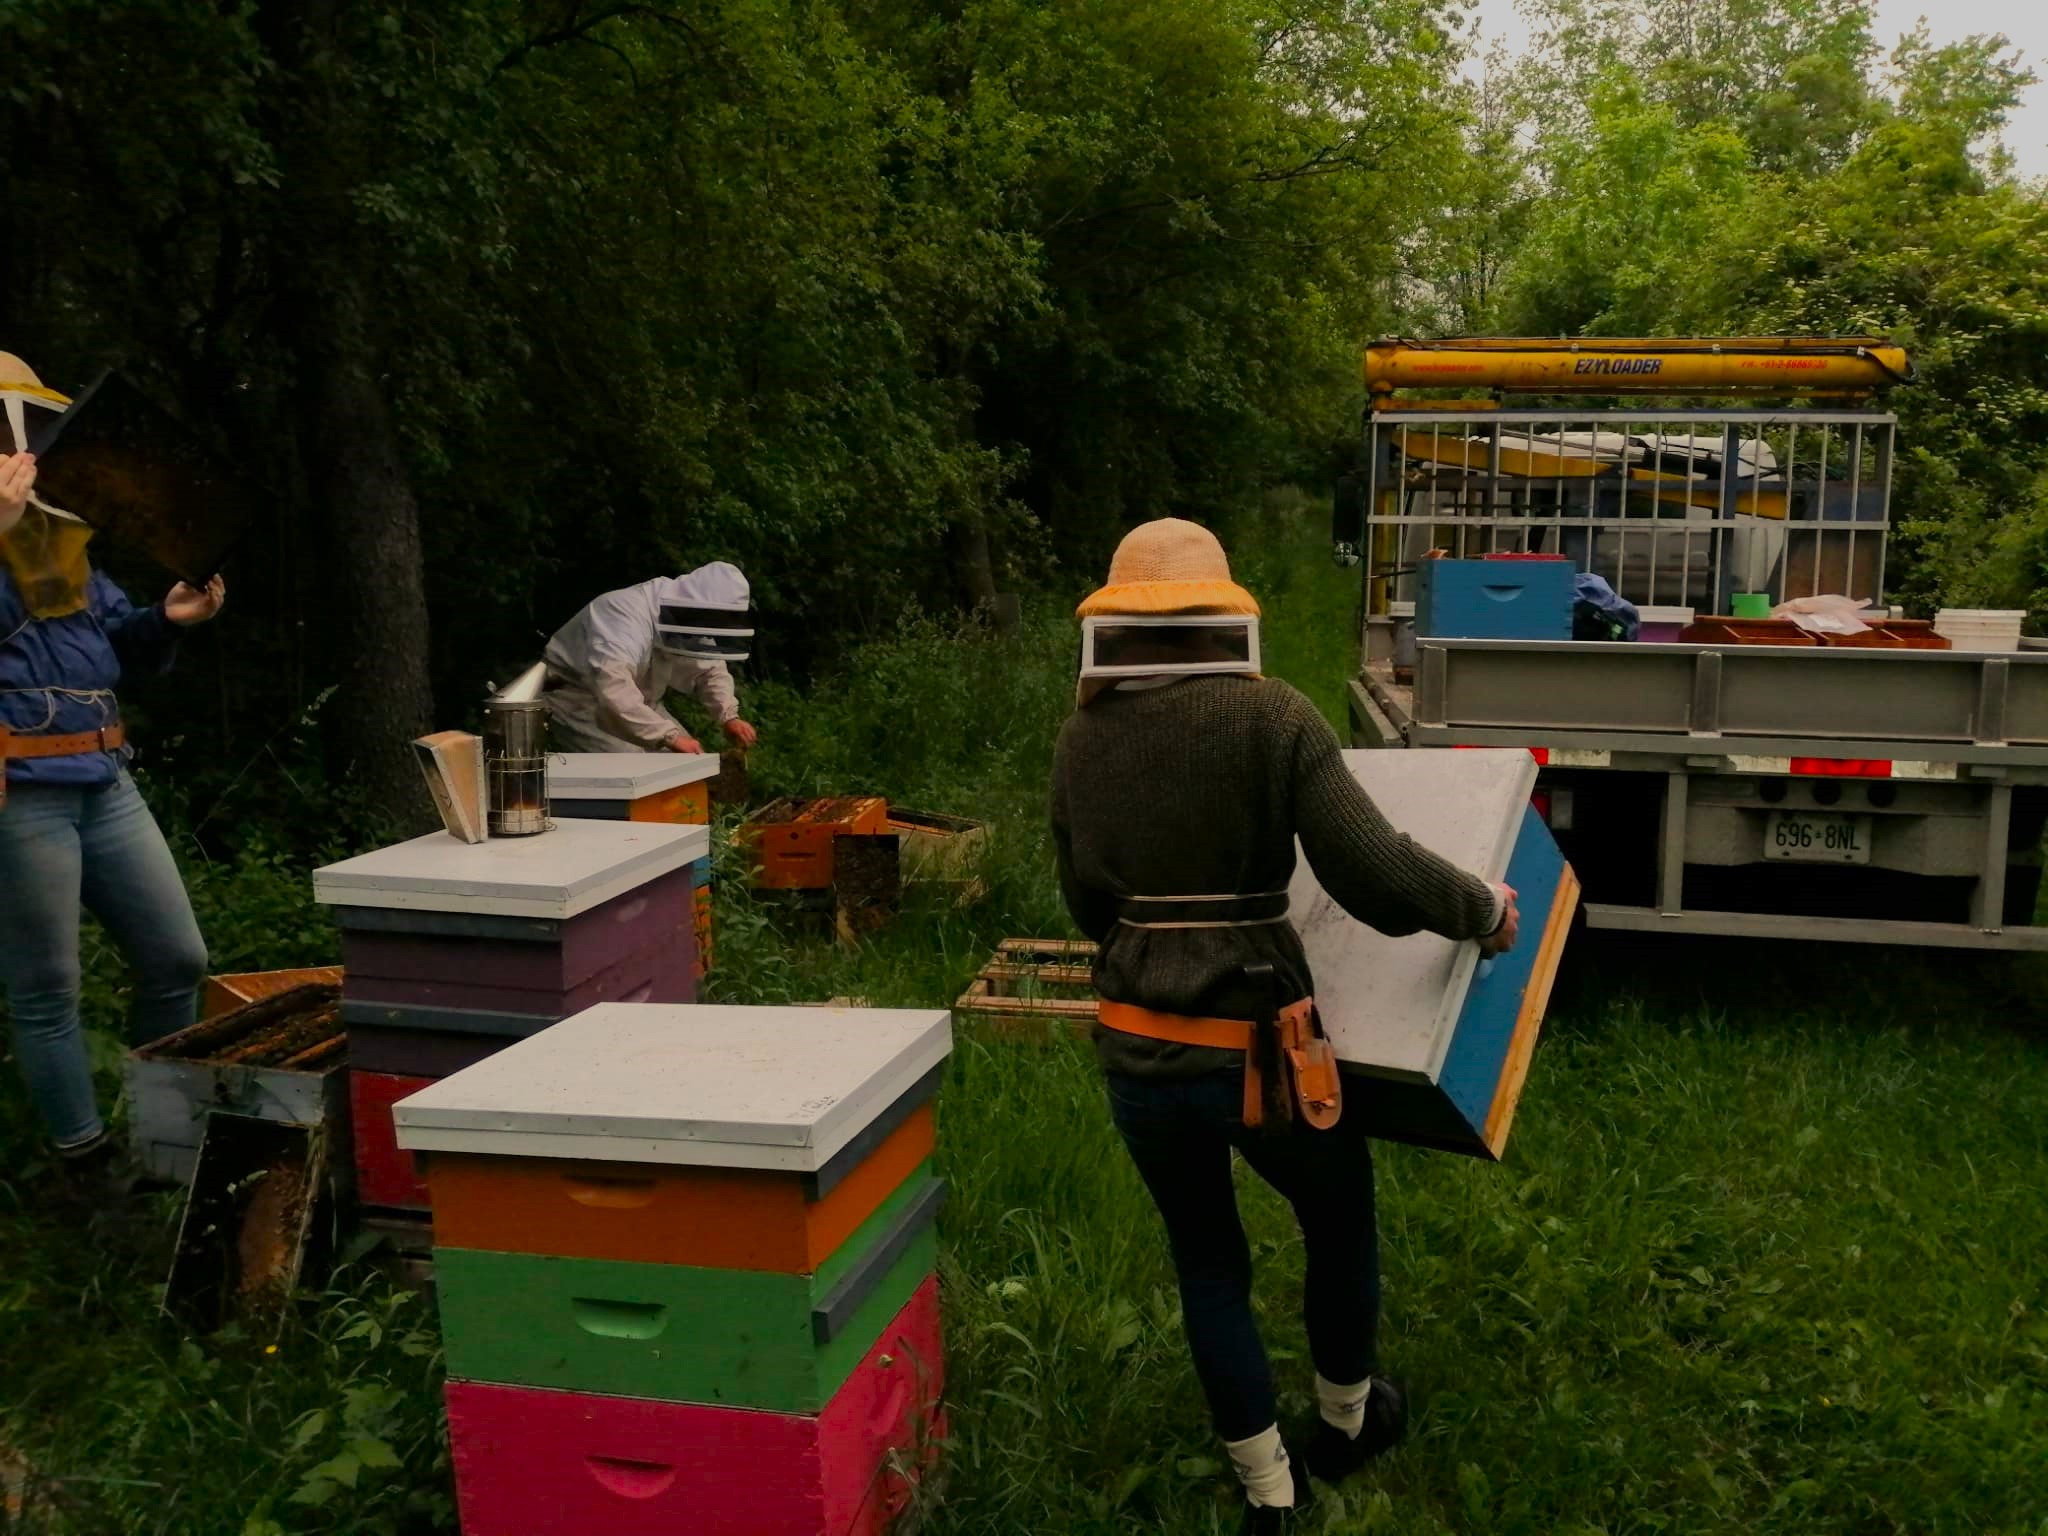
point(1262, 1467)
point(1343, 1407)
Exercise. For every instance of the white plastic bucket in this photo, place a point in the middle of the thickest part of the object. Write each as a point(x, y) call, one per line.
point(1980, 629)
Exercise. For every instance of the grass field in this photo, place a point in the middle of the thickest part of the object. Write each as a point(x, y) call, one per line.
point(1767, 1253)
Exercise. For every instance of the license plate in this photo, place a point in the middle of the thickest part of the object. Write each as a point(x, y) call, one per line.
point(1817, 839)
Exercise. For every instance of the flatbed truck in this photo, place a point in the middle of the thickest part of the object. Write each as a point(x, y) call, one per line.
point(1824, 790)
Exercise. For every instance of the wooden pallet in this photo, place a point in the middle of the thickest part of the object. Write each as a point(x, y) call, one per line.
point(1031, 984)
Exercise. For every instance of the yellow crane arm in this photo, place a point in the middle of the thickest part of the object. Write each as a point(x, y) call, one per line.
point(1743, 365)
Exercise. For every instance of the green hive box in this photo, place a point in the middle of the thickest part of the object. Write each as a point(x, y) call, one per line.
point(741, 1338)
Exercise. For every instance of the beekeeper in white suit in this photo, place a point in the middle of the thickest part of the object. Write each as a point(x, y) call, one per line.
point(610, 667)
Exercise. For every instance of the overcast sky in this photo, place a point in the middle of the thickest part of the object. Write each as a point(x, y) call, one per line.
point(2024, 22)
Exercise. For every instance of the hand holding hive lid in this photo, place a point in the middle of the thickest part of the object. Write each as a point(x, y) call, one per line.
point(119, 462)
point(42, 547)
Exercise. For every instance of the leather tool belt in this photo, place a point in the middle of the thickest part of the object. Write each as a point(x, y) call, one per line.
point(108, 738)
point(1289, 1067)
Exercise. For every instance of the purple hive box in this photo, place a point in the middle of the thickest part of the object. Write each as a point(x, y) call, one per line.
point(531, 955)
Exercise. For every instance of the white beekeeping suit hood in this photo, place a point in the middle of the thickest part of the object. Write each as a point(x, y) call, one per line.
point(704, 615)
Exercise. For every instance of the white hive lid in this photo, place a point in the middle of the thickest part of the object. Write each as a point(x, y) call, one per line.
point(1391, 1004)
point(625, 775)
point(779, 1088)
point(574, 866)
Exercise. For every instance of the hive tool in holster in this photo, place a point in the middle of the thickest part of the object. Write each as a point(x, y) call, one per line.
point(1291, 1065)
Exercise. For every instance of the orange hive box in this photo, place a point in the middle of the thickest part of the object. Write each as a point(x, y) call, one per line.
point(688, 804)
point(712, 1218)
point(792, 839)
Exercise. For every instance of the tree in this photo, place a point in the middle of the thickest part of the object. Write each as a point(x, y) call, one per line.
point(1462, 252)
point(1677, 199)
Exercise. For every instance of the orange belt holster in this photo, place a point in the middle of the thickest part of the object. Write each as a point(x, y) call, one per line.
point(1289, 1066)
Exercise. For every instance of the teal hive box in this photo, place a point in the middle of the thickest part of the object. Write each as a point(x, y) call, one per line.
point(1494, 599)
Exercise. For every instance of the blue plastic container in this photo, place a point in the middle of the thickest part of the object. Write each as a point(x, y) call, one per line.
point(1494, 600)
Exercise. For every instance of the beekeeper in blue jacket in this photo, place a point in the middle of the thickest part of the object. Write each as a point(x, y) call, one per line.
point(73, 829)
point(612, 666)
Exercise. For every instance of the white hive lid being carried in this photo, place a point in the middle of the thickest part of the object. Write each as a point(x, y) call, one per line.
point(625, 775)
point(1392, 1005)
point(776, 1088)
point(559, 874)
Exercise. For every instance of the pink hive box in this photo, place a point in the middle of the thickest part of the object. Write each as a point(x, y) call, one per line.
point(530, 1462)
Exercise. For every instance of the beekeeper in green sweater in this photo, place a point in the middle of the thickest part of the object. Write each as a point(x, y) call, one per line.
point(1181, 785)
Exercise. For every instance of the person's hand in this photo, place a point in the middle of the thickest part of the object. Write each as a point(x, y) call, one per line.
point(742, 732)
point(1502, 939)
point(682, 741)
point(187, 604)
point(17, 479)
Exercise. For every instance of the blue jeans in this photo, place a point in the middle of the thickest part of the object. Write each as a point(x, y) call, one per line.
point(1180, 1132)
point(61, 845)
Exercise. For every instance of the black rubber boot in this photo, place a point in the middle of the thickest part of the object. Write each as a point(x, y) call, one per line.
point(1333, 1455)
point(1264, 1520)
point(98, 1175)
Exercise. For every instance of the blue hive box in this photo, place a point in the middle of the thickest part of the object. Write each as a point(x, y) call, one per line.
point(1435, 1042)
point(1494, 599)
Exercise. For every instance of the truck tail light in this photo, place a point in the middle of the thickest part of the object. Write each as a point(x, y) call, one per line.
point(1841, 768)
point(1541, 754)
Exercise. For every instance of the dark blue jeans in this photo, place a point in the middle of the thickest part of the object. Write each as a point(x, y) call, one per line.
point(1180, 1132)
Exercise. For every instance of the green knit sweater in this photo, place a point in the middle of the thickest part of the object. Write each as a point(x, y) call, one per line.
point(1202, 787)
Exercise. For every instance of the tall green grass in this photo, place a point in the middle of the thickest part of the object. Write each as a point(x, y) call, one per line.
point(1768, 1253)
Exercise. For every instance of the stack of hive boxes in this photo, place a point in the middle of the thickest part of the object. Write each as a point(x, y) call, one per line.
point(684, 1260)
point(669, 787)
point(451, 951)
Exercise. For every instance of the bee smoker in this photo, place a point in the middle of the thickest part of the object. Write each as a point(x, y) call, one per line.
point(516, 757)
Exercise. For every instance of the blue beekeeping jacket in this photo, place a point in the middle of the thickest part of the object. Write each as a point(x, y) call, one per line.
point(57, 676)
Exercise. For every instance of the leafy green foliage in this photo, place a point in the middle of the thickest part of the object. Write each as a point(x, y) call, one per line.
point(884, 301)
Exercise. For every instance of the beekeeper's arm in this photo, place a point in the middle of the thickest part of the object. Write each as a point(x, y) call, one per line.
point(1093, 910)
point(1384, 878)
point(621, 646)
point(710, 684)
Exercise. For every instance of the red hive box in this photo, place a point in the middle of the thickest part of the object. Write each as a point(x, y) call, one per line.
point(530, 1462)
point(385, 1174)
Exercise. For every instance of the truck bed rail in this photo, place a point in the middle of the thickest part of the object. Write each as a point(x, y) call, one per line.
point(1958, 706)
